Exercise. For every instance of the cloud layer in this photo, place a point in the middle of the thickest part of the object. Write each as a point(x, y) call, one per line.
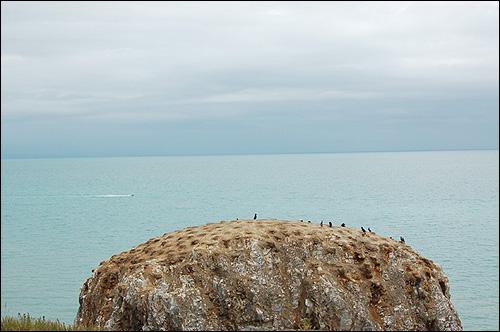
point(356, 76)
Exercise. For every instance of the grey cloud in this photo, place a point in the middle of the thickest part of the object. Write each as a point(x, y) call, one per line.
point(146, 62)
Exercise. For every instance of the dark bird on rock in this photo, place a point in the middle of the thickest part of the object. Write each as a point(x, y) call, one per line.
point(255, 217)
point(330, 223)
point(363, 230)
point(309, 221)
point(301, 220)
point(321, 223)
point(402, 239)
point(369, 230)
point(343, 225)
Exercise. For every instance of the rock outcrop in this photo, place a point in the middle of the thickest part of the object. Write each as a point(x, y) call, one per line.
point(268, 274)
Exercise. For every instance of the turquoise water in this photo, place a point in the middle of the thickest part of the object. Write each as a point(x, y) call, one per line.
point(61, 217)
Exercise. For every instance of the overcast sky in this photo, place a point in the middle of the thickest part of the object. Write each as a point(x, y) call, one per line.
point(91, 79)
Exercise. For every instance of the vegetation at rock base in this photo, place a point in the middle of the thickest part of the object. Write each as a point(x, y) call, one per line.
point(304, 326)
point(27, 323)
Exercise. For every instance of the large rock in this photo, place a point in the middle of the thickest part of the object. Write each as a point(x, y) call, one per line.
point(268, 274)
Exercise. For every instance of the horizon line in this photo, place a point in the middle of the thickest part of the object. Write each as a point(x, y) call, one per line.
point(244, 154)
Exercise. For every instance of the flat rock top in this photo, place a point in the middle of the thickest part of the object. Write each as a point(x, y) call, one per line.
point(176, 246)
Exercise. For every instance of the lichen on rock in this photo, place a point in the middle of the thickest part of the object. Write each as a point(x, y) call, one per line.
point(268, 274)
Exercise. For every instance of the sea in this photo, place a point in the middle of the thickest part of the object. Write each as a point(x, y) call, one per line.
point(61, 217)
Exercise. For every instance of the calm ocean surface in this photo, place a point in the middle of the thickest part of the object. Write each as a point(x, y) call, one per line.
point(61, 217)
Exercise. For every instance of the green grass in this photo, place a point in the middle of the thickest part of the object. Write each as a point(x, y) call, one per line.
point(26, 323)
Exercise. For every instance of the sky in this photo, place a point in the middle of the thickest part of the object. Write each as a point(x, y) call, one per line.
point(106, 79)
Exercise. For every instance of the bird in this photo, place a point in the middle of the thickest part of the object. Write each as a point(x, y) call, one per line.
point(330, 223)
point(343, 225)
point(363, 229)
point(369, 230)
point(255, 216)
point(309, 221)
point(402, 239)
point(301, 220)
point(321, 223)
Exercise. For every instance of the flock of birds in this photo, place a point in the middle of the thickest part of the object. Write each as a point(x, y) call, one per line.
point(401, 239)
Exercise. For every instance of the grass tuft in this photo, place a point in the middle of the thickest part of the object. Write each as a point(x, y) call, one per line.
point(27, 323)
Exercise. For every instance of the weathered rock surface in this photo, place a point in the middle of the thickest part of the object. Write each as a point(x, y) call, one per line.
point(268, 274)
